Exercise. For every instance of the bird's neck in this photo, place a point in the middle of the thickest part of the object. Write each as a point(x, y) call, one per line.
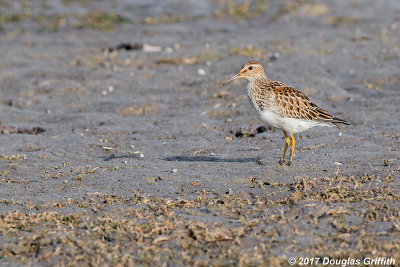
point(258, 81)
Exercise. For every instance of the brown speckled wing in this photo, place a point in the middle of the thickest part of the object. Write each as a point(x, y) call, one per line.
point(294, 104)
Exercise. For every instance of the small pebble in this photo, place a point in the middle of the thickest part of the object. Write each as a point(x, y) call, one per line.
point(174, 170)
point(201, 72)
point(151, 48)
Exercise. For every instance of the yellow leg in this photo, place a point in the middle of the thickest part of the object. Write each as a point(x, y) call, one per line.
point(292, 149)
point(286, 147)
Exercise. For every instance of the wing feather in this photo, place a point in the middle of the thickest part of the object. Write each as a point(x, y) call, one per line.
point(294, 104)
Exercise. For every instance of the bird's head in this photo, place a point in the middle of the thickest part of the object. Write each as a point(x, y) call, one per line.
point(250, 70)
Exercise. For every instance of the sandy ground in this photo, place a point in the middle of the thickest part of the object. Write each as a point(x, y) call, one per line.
point(147, 159)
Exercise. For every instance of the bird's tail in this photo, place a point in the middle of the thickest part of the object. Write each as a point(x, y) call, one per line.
point(335, 121)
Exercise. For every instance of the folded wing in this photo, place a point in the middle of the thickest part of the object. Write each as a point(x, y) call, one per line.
point(294, 104)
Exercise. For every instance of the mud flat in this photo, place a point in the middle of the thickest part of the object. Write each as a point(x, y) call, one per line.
point(119, 144)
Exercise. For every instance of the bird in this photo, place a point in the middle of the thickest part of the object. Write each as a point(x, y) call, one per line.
point(282, 106)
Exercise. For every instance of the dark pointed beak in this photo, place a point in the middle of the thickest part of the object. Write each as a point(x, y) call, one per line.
point(237, 76)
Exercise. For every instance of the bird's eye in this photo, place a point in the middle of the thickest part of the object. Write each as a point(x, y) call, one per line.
point(251, 67)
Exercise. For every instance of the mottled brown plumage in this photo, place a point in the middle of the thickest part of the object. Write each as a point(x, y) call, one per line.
point(295, 104)
point(282, 106)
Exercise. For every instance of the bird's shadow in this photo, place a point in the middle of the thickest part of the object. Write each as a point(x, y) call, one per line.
point(213, 159)
point(257, 160)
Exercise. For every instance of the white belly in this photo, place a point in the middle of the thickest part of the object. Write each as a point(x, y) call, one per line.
point(290, 125)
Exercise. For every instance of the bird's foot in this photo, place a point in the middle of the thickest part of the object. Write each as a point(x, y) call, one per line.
point(290, 163)
point(281, 162)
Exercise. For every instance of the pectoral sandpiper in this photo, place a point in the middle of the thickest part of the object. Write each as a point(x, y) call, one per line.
point(282, 106)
